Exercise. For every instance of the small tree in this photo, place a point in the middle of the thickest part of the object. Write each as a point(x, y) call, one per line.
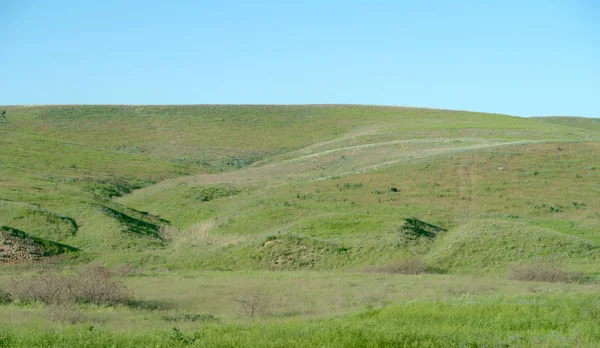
point(2, 115)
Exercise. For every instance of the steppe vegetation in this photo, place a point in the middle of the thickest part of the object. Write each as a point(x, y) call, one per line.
point(283, 226)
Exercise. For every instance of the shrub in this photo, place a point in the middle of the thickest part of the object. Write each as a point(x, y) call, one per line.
point(93, 284)
point(50, 288)
point(545, 271)
point(254, 303)
point(209, 193)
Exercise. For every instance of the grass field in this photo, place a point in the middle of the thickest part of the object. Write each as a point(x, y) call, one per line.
point(308, 225)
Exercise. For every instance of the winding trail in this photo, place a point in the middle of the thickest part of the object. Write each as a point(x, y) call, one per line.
point(320, 165)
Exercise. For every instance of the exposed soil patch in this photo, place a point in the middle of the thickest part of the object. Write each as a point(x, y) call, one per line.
point(18, 246)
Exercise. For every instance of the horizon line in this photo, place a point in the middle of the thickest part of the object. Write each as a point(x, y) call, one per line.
point(293, 104)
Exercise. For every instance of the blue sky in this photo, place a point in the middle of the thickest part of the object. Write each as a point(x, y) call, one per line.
point(521, 58)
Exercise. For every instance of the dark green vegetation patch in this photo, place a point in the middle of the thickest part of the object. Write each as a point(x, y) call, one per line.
point(413, 228)
point(209, 193)
point(131, 224)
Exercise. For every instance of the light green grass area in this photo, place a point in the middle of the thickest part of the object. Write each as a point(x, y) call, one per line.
point(389, 309)
point(524, 321)
point(305, 208)
point(575, 122)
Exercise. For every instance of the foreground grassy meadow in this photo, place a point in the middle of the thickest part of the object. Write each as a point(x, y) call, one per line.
point(315, 225)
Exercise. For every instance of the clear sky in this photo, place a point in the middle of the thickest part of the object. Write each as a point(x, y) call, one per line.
point(521, 58)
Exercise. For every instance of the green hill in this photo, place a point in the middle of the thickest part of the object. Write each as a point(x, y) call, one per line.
point(372, 217)
point(106, 178)
point(575, 122)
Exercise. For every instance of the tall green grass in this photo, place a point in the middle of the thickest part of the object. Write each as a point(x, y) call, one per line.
point(532, 321)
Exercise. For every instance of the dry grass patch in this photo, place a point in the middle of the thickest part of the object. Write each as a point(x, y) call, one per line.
point(65, 314)
point(199, 235)
point(92, 284)
point(410, 266)
point(545, 271)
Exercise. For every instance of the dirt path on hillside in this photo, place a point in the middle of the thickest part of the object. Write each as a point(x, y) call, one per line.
point(429, 153)
point(309, 168)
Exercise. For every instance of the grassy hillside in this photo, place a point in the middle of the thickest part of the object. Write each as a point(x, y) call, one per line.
point(313, 174)
point(575, 122)
point(215, 197)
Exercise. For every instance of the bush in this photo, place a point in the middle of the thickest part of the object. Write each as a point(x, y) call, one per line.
point(253, 303)
point(93, 284)
point(209, 193)
point(50, 288)
point(545, 271)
